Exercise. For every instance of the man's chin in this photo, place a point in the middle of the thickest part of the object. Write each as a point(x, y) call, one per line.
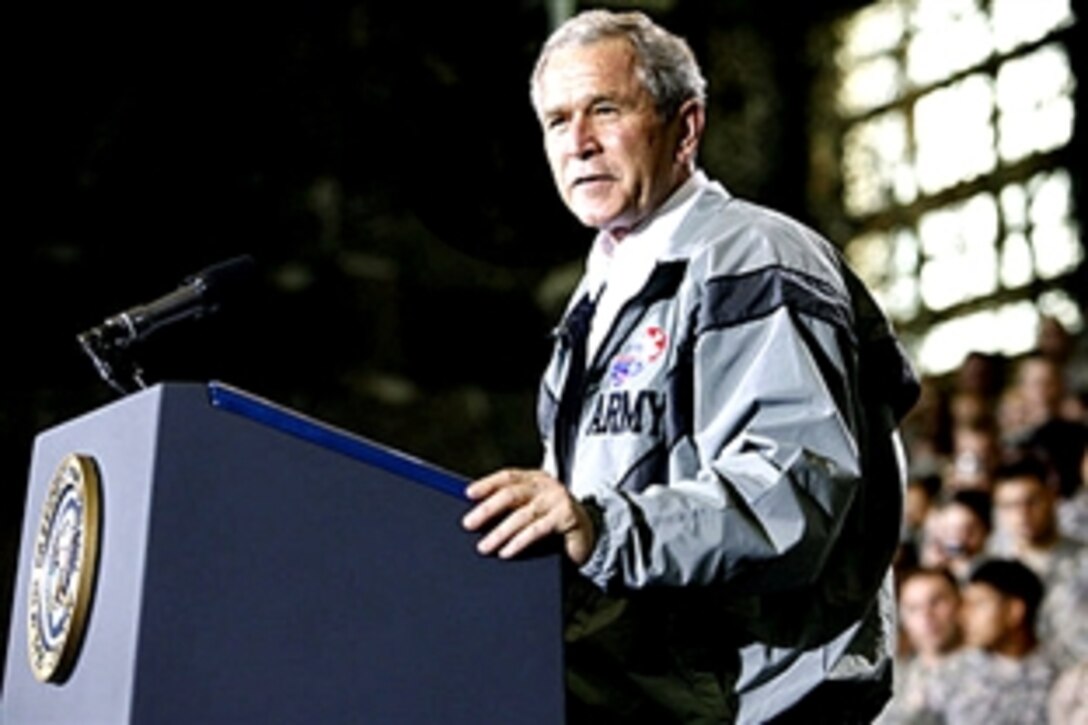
point(599, 219)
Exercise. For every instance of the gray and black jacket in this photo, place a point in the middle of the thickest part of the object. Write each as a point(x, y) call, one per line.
point(736, 435)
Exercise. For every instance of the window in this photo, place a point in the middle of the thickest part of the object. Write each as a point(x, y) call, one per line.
point(949, 122)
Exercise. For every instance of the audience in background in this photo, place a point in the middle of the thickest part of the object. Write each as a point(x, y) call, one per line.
point(961, 531)
point(1002, 441)
point(1071, 353)
point(1042, 394)
point(929, 604)
point(920, 501)
point(1004, 675)
point(1073, 511)
point(1025, 499)
point(927, 429)
point(976, 452)
point(1068, 703)
point(1026, 504)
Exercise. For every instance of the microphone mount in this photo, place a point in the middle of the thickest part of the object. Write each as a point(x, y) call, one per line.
point(108, 349)
point(110, 344)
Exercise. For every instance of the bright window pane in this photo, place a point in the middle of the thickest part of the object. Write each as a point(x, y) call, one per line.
point(1016, 22)
point(961, 260)
point(950, 36)
point(888, 264)
point(980, 107)
point(870, 84)
point(874, 154)
point(870, 257)
point(1057, 250)
point(1010, 329)
point(1017, 269)
point(1054, 237)
point(902, 298)
point(875, 29)
point(1014, 206)
point(954, 135)
point(1059, 305)
point(1034, 99)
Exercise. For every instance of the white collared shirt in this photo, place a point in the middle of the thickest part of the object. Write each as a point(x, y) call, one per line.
point(622, 268)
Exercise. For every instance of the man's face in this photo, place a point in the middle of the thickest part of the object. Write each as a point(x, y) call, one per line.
point(962, 532)
point(613, 158)
point(985, 616)
point(928, 610)
point(1041, 387)
point(973, 458)
point(1025, 510)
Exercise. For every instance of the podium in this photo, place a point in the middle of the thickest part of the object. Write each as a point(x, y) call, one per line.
point(241, 563)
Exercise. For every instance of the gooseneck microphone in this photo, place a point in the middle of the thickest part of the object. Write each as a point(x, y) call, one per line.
point(198, 295)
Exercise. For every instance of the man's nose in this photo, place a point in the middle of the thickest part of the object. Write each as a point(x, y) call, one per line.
point(581, 137)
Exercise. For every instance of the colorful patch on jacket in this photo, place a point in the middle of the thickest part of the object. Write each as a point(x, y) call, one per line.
point(644, 349)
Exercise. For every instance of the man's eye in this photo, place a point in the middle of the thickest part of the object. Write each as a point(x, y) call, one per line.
point(605, 110)
point(554, 122)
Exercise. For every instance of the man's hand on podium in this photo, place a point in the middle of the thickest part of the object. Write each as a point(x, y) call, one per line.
point(525, 507)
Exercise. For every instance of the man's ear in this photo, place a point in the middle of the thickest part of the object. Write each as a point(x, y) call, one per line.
point(690, 119)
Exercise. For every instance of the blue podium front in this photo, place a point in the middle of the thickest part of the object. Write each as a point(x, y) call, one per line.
point(238, 562)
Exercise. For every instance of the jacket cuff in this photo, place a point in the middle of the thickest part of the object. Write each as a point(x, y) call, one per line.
point(595, 567)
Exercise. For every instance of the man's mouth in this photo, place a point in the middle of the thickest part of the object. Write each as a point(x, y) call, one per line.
point(590, 179)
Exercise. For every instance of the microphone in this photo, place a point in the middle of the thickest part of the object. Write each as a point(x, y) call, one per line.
point(198, 295)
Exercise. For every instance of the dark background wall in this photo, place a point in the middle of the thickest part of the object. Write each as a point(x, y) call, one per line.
point(381, 163)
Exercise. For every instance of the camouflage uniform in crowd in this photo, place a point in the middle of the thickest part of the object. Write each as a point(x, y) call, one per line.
point(915, 684)
point(1062, 625)
point(991, 689)
point(1073, 515)
point(1063, 616)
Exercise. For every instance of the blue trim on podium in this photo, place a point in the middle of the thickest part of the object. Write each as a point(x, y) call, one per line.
point(231, 399)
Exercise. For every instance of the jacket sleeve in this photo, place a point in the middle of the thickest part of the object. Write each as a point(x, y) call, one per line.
point(770, 464)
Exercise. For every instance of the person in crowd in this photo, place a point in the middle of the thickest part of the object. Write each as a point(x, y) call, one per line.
point(1068, 701)
point(1004, 677)
point(976, 452)
point(927, 428)
point(1054, 341)
point(1025, 501)
point(1073, 511)
point(962, 530)
point(982, 374)
point(1042, 390)
point(975, 389)
point(721, 468)
point(929, 604)
point(920, 501)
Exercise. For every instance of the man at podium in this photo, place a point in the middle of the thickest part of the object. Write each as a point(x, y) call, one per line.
point(719, 417)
